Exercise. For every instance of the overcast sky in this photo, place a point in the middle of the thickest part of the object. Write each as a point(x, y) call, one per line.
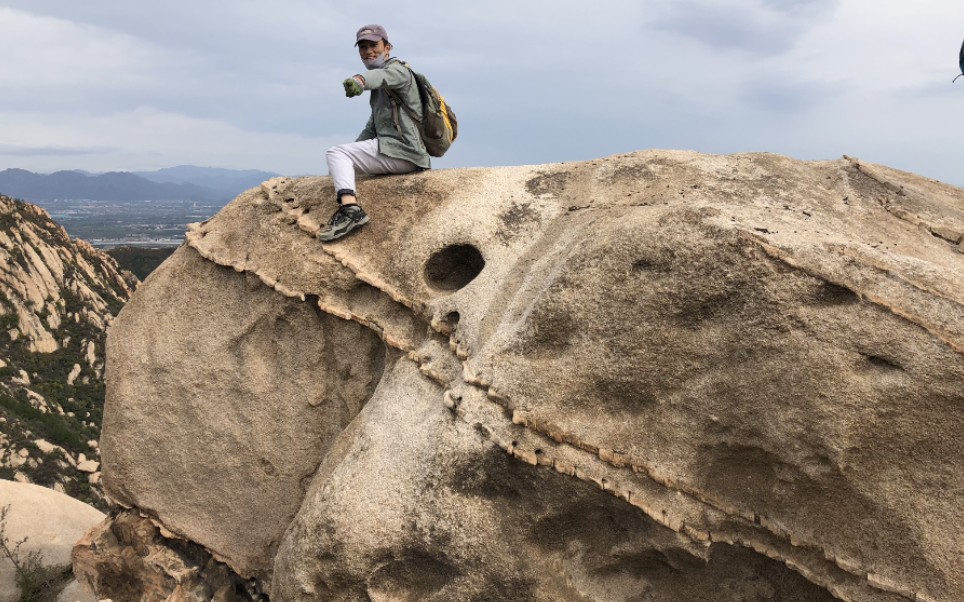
point(137, 85)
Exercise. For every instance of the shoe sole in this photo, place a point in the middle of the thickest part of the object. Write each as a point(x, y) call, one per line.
point(328, 236)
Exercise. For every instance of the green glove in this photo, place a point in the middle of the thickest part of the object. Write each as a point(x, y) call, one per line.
point(352, 87)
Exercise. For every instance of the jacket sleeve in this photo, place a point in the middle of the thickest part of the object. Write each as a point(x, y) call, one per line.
point(395, 76)
point(369, 132)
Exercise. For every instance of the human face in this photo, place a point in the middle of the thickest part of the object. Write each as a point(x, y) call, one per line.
point(370, 50)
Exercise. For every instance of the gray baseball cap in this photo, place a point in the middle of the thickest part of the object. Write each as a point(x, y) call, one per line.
point(372, 33)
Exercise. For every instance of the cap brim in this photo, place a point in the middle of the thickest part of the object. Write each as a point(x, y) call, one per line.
point(370, 38)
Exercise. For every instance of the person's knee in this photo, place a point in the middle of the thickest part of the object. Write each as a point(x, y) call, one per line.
point(334, 152)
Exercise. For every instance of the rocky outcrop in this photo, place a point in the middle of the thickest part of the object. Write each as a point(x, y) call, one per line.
point(659, 376)
point(48, 523)
point(137, 559)
point(57, 297)
point(43, 271)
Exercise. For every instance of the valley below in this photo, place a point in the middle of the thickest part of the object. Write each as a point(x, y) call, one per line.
point(147, 223)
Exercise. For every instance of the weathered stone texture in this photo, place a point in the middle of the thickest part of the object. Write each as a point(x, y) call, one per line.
point(228, 371)
point(47, 522)
point(656, 376)
point(34, 277)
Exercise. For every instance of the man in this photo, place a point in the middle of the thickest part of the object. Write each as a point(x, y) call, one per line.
point(390, 142)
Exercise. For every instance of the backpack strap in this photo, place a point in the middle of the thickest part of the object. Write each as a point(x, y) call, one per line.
point(397, 102)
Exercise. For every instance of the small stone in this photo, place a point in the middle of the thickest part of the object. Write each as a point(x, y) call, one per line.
point(45, 446)
point(74, 373)
point(88, 466)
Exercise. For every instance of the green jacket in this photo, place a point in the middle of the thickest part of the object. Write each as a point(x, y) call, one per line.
point(397, 133)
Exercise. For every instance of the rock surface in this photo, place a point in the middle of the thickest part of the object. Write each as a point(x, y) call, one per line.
point(42, 271)
point(57, 297)
point(136, 559)
point(655, 376)
point(52, 523)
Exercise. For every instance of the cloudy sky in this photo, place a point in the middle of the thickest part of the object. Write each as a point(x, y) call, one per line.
point(120, 85)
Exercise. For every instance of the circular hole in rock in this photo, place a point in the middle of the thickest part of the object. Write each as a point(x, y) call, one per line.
point(453, 267)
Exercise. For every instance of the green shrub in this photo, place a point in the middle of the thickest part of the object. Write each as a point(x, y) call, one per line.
point(45, 474)
point(8, 321)
point(139, 260)
point(61, 430)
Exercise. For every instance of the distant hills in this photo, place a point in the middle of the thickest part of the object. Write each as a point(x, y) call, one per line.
point(185, 182)
point(229, 182)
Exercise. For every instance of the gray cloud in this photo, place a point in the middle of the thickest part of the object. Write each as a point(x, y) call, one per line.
point(151, 84)
point(9, 150)
point(756, 26)
point(780, 94)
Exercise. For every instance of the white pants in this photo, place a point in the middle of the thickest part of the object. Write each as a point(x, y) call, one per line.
point(345, 160)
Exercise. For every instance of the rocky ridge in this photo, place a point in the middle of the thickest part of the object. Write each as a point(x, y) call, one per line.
point(57, 297)
point(654, 376)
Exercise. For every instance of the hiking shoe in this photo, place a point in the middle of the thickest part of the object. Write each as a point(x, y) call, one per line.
point(346, 219)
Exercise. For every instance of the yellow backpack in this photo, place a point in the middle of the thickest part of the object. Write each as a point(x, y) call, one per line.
point(437, 124)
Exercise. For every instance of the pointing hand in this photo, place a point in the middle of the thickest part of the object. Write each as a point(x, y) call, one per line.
point(352, 87)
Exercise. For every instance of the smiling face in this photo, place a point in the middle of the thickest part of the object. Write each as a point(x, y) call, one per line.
point(368, 50)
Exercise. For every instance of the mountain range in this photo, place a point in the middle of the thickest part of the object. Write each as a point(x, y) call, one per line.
point(185, 182)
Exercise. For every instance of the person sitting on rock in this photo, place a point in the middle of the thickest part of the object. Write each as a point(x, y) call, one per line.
point(390, 142)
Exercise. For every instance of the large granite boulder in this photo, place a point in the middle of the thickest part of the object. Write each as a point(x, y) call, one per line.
point(46, 524)
point(655, 376)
